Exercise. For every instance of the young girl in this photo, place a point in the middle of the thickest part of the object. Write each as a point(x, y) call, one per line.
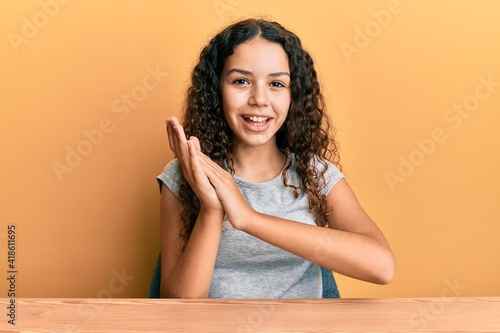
point(254, 203)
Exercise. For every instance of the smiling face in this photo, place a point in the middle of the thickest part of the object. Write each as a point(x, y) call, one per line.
point(255, 87)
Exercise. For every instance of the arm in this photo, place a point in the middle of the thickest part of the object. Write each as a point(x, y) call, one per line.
point(352, 246)
point(188, 273)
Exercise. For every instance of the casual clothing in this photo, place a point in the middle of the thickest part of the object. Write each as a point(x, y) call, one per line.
point(247, 267)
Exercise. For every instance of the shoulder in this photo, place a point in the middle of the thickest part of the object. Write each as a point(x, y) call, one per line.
point(171, 176)
point(329, 173)
point(173, 167)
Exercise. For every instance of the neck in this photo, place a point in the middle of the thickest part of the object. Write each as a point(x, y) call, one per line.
point(258, 164)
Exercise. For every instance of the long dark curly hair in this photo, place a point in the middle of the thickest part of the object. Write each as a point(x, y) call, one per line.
point(306, 132)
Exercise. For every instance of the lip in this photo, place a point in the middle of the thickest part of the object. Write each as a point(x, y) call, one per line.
point(256, 126)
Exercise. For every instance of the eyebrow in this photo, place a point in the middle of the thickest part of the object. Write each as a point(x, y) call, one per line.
point(244, 72)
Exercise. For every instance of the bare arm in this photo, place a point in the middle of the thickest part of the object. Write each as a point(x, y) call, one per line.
point(188, 273)
point(353, 245)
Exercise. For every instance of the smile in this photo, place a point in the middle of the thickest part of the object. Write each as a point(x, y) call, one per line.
point(256, 120)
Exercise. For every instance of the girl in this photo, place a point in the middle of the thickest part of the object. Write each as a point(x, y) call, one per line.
point(254, 203)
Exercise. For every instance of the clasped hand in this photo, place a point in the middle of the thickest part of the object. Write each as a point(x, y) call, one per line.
point(214, 186)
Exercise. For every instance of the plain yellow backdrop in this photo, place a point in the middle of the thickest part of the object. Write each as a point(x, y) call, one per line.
point(413, 88)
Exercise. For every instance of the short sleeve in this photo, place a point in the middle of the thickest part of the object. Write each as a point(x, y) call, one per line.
point(332, 176)
point(171, 176)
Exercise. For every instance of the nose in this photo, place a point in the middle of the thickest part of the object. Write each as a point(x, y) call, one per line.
point(259, 95)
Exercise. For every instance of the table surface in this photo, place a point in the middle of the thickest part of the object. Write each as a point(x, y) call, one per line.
point(445, 314)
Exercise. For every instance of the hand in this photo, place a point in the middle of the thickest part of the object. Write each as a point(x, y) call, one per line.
point(186, 152)
point(235, 206)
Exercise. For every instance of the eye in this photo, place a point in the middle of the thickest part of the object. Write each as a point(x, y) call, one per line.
point(277, 84)
point(240, 81)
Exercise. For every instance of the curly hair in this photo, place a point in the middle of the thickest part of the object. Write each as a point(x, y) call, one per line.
point(307, 132)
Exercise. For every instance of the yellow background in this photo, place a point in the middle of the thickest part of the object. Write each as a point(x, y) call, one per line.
point(80, 228)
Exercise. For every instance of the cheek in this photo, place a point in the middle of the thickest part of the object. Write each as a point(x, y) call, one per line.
point(232, 102)
point(283, 105)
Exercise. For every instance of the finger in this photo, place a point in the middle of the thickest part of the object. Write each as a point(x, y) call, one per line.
point(175, 141)
point(205, 160)
point(179, 139)
point(192, 156)
point(178, 144)
point(194, 140)
point(179, 132)
point(217, 175)
point(196, 168)
point(170, 136)
point(174, 120)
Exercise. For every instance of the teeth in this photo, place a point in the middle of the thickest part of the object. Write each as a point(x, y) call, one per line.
point(256, 119)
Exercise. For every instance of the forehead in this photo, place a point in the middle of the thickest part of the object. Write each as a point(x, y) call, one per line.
point(258, 55)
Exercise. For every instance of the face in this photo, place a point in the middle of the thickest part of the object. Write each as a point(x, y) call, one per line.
point(255, 86)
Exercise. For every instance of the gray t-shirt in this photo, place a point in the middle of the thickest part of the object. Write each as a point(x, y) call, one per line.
point(247, 267)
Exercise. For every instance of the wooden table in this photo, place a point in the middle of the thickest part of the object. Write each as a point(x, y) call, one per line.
point(480, 314)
